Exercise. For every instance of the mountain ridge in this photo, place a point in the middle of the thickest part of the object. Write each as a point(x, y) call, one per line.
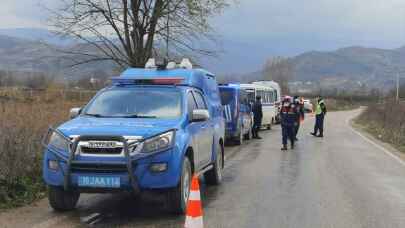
point(370, 65)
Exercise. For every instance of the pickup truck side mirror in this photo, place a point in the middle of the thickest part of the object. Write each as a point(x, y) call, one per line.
point(74, 112)
point(200, 115)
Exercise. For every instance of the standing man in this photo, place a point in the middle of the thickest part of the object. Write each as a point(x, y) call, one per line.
point(320, 112)
point(257, 117)
point(299, 105)
point(289, 117)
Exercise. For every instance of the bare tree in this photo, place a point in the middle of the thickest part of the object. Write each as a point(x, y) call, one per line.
point(129, 32)
point(279, 70)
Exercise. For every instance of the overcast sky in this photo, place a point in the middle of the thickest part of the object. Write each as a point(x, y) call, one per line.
point(320, 23)
point(278, 27)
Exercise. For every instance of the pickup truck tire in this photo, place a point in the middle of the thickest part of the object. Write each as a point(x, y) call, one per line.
point(61, 200)
point(177, 198)
point(214, 176)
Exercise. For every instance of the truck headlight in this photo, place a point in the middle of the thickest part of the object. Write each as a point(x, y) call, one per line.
point(57, 141)
point(158, 143)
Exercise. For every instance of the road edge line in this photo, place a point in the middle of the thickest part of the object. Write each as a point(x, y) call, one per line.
point(367, 139)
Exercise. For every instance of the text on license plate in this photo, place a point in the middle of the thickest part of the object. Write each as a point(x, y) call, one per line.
point(99, 182)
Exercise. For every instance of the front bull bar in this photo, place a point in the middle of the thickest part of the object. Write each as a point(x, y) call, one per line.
point(72, 147)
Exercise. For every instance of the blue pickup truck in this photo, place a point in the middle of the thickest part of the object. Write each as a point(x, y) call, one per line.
point(152, 129)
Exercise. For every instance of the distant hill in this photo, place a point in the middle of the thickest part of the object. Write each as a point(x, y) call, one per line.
point(352, 62)
point(34, 56)
point(37, 34)
point(39, 50)
point(370, 67)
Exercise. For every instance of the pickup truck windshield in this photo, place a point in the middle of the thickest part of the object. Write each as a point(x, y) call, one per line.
point(136, 103)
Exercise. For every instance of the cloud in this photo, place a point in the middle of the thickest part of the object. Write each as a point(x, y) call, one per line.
point(368, 21)
point(24, 13)
point(265, 28)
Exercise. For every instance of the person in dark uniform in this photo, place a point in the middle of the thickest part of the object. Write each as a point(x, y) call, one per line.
point(289, 117)
point(320, 113)
point(257, 117)
point(299, 105)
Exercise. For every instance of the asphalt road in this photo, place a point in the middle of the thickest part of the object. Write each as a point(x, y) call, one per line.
point(343, 180)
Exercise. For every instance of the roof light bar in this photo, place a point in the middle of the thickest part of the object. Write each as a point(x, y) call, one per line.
point(149, 81)
point(167, 81)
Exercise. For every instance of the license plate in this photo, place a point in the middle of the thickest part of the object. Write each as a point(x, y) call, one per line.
point(99, 182)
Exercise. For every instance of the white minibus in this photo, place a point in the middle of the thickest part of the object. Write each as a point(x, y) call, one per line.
point(268, 95)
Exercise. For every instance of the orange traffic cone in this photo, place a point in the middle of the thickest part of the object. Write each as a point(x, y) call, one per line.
point(194, 215)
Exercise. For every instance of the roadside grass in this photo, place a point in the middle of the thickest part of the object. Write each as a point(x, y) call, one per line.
point(341, 105)
point(23, 122)
point(333, 104)
point(385, 122)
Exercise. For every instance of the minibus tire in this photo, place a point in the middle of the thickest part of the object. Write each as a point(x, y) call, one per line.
point(248, 135)
point(239, 138)
point(61, 200)
point(214, 176)
point(176, 201)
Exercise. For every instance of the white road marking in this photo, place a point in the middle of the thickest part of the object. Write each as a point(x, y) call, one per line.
point(90, 218)
point(387, 152)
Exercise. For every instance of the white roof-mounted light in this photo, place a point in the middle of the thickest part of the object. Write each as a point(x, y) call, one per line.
point(171, 65)
point(151, 64)
point(186, 64)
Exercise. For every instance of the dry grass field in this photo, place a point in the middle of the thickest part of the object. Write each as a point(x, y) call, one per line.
point(386, 122)
point(23, 122)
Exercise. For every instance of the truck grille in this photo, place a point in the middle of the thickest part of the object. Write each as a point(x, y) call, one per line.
point(106, 146)
point(100, 151)
point(99, 168)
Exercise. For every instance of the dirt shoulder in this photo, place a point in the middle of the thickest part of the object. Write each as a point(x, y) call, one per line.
point(365, 131)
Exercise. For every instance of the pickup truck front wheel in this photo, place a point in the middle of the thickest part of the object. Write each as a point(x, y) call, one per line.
point(214, 176)
point(61, 200)
point(177, 198)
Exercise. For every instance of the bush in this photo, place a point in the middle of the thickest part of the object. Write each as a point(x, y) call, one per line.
point(22, 125)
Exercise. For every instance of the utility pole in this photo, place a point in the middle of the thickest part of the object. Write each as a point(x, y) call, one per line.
point(397, 97)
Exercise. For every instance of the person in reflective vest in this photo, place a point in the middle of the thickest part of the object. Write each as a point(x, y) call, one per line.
point(299, 103)
point(289, 116)
point(257, 110)
point(320, 113)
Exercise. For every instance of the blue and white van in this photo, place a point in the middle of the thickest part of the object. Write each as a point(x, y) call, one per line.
point(151, 129)
point(237, 112)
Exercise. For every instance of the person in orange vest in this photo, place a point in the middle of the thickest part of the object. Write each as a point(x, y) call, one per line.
point(289, 117)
